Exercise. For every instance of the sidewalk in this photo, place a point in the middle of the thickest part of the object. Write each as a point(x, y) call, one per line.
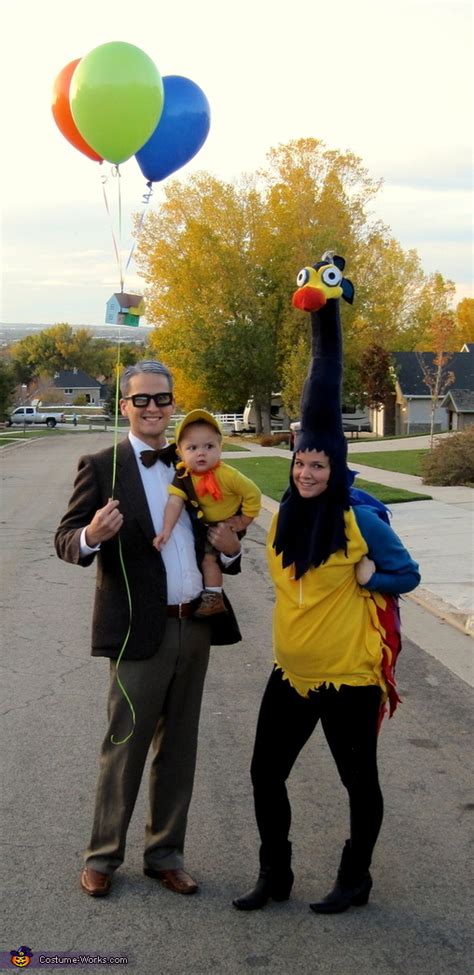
point(439, 533)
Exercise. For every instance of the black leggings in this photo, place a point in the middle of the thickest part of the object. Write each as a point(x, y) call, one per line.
point(349, 717)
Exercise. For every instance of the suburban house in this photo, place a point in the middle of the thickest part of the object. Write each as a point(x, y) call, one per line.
point(460, 406)
point(410, 409)
point(74, 383)
point(124, 309)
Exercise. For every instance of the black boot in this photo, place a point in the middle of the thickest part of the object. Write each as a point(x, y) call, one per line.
point(273, 882)
point(352, 887)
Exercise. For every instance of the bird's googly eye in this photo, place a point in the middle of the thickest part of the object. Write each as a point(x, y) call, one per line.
point(303, 277)
point(331, 276)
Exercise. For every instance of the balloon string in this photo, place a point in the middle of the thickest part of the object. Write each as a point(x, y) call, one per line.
point(116, 172)
point(116, 413)
point(117, 252)
point(121, 741)
point(145, 200)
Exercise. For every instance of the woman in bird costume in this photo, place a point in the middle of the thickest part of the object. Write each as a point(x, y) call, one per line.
point(337, 568)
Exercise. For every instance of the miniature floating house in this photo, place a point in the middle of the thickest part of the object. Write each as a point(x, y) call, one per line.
point(124, 309)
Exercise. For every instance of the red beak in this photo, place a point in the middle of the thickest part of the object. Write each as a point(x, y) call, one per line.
point(308, 298)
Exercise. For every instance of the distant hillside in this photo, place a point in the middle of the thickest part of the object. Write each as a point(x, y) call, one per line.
point(14, 331)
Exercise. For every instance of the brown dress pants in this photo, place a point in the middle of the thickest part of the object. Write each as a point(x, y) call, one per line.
point(166, 692)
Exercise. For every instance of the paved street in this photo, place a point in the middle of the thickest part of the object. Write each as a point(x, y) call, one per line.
point(52, 719)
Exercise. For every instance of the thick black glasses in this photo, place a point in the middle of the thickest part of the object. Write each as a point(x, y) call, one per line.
point(144, 399)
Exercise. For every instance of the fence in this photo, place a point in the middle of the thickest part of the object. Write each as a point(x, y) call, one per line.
point(230, 422)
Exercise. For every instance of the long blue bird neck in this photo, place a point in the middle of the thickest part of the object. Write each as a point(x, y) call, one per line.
point(325, 371)
point(326, 339)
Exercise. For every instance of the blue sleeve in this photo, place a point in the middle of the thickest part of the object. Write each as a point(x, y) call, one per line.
point(396, 572)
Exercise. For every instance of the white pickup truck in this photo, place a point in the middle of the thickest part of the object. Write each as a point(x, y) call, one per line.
point(28, 414)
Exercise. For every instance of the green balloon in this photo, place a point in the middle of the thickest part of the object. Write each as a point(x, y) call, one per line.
point(116, 99)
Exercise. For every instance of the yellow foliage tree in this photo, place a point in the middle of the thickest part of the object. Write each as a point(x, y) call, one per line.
point(464, 318)
point(220, 261)
point(62, 347)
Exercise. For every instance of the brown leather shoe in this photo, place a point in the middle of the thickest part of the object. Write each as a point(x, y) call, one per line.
point(94, 883)
point(176, 880)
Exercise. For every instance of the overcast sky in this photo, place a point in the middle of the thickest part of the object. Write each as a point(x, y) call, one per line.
point(388, 79)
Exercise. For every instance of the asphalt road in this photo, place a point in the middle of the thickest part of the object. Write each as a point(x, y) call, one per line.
point(53, 718)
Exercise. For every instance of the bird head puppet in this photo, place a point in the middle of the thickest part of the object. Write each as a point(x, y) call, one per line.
point(309, 530)
point(319, 289)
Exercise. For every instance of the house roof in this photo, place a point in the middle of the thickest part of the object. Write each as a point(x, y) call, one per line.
point(127, 300)
point(75, 379)
point(410, 373)
point(462, 400)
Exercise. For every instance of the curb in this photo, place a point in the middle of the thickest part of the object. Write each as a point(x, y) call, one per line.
point(19, 444)
point(443, 611)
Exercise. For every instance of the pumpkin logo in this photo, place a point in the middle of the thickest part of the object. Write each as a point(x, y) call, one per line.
point(21, 957)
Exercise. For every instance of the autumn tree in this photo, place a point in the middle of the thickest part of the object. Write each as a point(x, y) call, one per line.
point(436, 373)
point(209, 296)
point(7, 387)
point(220, 261)
point(395, 301)
point(377, 377)
point(294, 370)
point(464, 323)
point(188, 394)
point(62, 347)
point(47, 351)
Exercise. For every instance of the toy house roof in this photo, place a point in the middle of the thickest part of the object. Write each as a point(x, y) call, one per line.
point(127, 300)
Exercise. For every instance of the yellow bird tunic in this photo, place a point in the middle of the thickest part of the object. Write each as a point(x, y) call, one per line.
point(325, 625)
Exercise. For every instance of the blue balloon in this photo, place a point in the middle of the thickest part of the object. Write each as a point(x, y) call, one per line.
point(181, 131)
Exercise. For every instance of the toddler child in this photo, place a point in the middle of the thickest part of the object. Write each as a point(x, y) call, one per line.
point(223, 494)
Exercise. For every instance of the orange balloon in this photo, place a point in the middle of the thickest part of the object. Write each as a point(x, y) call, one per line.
point(62, 112)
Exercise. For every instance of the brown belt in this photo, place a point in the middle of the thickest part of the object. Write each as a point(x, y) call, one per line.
point(182, 610)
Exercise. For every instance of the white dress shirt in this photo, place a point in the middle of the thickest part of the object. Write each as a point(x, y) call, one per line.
point(184, 580)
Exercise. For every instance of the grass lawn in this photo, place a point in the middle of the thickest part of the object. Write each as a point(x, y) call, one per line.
point(389, 495)
point(402, 461)
point(271, 475)
point(233, 446)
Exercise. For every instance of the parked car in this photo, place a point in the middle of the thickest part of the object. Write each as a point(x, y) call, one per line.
point(28, 414)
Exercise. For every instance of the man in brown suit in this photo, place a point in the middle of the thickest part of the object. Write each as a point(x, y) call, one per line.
point(165, 658)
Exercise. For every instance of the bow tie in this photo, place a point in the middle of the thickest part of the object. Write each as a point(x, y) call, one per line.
point(166, 454)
